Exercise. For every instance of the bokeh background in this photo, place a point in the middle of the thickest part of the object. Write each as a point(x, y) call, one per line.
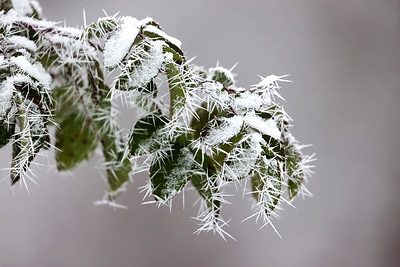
point(343, 58)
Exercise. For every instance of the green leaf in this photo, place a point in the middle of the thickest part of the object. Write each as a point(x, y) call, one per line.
point(176, 83)
point(7, 129)
point(142, 67)
point(145, 100)
point(170, 173)
point(157, 35)
point(76, 139)
point(63, 102)
point(267, 184)
point(33, 136)
point(145, 138)
point(273, 148)
point(224, 149)
point(100, 28)
point(204, 114)
point(118, 167)
point(242, 159)
point(206, 183)
point(296, 174)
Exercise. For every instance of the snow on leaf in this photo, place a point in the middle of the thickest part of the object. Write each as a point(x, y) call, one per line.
point(220, 130)
point(242, 159)
point(118, 45)
point(216, 94)
point(247, 100)
point(13, 16)
point(35, 70)
point(142, 66)
point(7, 89)
point(157, 31)
point(23, 7)
point(297, 166)
point(23, 42)
point(6, 92)
point(267, 127)
point(222, 75)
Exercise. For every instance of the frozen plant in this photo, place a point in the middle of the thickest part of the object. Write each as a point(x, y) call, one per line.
point(205, 131)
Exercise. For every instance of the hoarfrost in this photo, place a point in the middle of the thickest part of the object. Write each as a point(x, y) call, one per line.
point(118, 45)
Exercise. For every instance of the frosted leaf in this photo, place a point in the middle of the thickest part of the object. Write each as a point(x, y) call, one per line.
point(23, 42)
point(242, 159)
point(35, 70)
point(157, 31)
point(29, 140)
point(226, 130)
point(222, 75)
point(267, 127)
point(118, 45)
point(183, 169)
point(6, 93)
point(7, 89)
point(170, 172)
point(147, 146)
point(217, 94)
point(150, 64)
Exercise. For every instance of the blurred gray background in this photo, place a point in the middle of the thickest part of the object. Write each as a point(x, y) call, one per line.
point(343, 58)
